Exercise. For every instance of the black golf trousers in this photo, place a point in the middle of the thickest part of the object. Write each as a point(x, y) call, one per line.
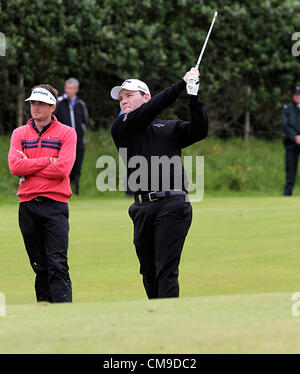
point(292, 152)
point(45, 228)
point(160, 229)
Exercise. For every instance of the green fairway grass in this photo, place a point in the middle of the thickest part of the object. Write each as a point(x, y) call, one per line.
point(238, 271)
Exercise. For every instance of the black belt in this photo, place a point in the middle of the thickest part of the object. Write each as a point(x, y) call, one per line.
point(41, 198)
point(153, 196)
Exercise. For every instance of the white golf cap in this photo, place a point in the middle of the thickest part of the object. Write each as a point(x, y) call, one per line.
point(131, 85)
point(41, 94)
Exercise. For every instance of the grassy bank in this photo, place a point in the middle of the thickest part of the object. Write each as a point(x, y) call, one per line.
point(231, 167)
point(240, 324)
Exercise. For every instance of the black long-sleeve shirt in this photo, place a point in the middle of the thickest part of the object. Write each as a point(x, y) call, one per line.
point(143, 134)
point(291, 121)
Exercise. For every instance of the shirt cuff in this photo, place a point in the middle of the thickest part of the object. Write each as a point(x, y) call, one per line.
point(193, 98)
point(182, 83)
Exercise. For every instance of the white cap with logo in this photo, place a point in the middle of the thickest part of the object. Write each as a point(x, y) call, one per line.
point(41, 94)
point(131, 85)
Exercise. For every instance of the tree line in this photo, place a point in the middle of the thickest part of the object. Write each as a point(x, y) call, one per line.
point(246, 75)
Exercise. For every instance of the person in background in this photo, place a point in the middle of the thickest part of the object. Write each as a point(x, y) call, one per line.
point(291, 140)
point(72, 111)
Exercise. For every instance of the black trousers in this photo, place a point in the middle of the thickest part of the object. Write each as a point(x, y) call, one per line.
point(76, 170)
point(160, 229)
point(291, 167)
point(45, 229)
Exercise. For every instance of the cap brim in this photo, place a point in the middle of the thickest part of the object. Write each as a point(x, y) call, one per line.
point(39, 98)
point(114, 93)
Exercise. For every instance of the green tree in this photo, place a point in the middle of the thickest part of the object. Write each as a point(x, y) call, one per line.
point(246, 73)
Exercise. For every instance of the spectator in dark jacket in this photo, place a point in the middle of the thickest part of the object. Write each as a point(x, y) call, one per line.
point(72, 111)
point(291, 139)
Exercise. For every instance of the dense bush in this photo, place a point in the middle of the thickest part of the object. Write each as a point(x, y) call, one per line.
point(102, 42)
point(230, 166)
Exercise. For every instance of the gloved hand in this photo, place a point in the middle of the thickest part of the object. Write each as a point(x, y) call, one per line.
point(192, 81)
point(192, 85)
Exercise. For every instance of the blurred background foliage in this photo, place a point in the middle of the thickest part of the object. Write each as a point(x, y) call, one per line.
point(247, 72)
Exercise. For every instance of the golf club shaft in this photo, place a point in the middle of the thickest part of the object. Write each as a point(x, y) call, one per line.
point(206, 40)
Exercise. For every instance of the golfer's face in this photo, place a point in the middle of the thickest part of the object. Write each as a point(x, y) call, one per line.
point(131, 100)
point(296, 99)
point(41, 111)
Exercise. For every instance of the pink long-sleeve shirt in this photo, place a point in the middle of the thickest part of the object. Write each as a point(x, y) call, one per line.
point(38, 176)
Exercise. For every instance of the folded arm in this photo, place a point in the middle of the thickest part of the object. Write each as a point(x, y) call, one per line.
point(63, 164)
point(22, 167)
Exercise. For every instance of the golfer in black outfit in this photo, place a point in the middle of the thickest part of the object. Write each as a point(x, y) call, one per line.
point(161, 216)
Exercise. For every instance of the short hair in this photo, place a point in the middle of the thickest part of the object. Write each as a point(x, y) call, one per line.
point(49, 88)
point(74, 81)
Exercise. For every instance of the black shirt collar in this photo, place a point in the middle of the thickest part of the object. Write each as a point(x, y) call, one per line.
point(45, 128)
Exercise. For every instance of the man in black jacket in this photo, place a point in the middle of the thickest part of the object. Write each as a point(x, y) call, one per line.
point(291, 131)
point(161, 213)
point(72, 111)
